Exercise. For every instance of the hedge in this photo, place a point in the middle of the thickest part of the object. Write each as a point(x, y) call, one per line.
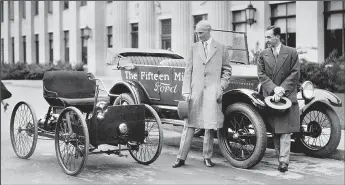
point(21, 71)
point(329, 75)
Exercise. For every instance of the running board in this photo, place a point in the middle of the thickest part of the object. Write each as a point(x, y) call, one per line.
point(165, 107)
point(172, 121)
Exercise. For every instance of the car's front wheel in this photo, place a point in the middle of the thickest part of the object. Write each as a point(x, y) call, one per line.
point(321, 132)
point(243, 138)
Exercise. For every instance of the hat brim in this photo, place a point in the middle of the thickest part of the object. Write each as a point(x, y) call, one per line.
point(282, 105)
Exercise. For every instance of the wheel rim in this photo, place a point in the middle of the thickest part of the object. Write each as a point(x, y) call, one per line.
point(316, 129)
point(23, 131)
point(240, 136)
point(149, 150)
point(72, 147)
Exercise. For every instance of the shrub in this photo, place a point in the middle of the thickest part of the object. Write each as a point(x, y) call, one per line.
point(21, 71)
point(329, 75)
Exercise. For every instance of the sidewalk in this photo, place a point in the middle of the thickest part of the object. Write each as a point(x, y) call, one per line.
point(339, 154)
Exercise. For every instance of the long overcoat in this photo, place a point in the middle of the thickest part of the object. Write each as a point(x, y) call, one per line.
point(205, 79)
point(284, 72)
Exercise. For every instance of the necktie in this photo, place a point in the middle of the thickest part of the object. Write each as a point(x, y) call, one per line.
point(275, 53)
point(205, 48)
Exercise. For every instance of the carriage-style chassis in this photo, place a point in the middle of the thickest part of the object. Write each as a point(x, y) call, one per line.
point(80, 119)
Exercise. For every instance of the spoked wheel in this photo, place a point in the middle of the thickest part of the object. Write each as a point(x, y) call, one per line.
point(147, 152)
point(321, 132)
point(23, 130)
point(243, 138)
point(71, 141)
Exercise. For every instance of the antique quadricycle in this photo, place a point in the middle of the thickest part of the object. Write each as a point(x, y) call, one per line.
point(80, 119)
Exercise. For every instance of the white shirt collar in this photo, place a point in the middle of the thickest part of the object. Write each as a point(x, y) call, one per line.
point(277, 48)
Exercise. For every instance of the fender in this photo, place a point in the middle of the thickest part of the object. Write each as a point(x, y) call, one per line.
point(243, 95)
point(130, 87)
point(320, 96)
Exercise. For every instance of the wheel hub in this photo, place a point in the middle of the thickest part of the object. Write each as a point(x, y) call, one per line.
point(235, 136)
point(314, 129)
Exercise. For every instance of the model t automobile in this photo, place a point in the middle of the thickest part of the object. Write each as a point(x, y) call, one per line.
point(80, 118)
point(155, 77)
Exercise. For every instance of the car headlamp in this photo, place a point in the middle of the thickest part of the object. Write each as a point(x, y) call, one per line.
point(307, 90)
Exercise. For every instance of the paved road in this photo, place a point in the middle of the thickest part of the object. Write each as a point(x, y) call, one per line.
point(43, 168)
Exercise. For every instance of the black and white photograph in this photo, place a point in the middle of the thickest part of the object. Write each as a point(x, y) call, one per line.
point(172, 92)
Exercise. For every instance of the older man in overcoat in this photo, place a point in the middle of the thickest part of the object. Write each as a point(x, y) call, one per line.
point(279, 71)
point(207, 75)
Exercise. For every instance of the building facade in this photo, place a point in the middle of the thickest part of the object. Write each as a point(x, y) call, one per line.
point(81, 31)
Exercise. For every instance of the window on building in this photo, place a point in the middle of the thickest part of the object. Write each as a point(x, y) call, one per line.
point(51, 50)
point(23, 8)
point(284, 16)
point(198, 18)
point(239, 21)
point(110, 36)
point(37, 47)
point(2, 51)
point(24, 49)
point(36, 7)
point(2, 11)
point(83, 3)
point(83, 47)
point(134, 35)
point(13, 49)
point(50, 6)
point(11, 9)
point(334, 27)
point(65, 5)
point(66, 38)
point(166, 34)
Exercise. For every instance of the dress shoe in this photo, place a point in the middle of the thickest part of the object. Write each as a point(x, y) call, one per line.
point(208, 162)
point(178, 163)
point(283, 167)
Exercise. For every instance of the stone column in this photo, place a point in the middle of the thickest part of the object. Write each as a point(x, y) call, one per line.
point(181, 28)
point(146, 24)
point(58, 42)
point(43, 33)
point(74, 33)
point(30, 38)
point(96, 46)
point(219, 17)
point(7, 34)
point(18, 41)
point(121, 33)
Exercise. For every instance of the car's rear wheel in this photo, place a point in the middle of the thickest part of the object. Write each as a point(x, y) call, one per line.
point(321, 132)
point(243, 138)
point(148, 151)
point(124, 99)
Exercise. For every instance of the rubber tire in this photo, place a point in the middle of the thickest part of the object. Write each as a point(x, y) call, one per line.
point(335, 135)
point(57, 148)
point(35, 124)
point(126, 97)
point(260, 130)
point(159, 149)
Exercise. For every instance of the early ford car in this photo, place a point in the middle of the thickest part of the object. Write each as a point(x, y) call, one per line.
point(155, 77)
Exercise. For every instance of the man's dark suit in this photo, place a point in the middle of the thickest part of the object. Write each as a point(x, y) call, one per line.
point(284, 72)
